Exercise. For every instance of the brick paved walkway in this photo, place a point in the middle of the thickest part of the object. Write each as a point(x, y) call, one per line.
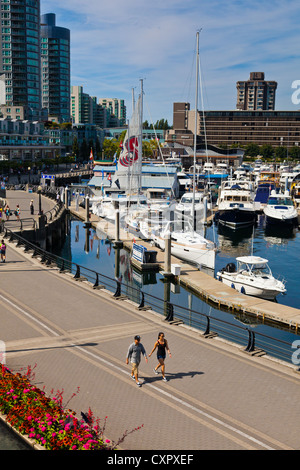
point(217, 397)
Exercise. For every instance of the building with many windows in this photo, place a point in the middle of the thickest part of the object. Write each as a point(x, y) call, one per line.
point(25, 140)
point(56, 70)
point(116, 109)
point(85, 109)
point(256, 94)
point(235, 128)
point(20, 67)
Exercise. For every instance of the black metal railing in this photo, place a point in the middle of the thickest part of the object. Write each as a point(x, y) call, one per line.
point(251, 341)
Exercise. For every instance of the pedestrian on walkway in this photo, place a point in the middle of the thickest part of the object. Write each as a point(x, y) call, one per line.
point(161, 345)
point(3, 251)
point(31, 207)
point(134, 356)
point(17, 212)
point(7, 211)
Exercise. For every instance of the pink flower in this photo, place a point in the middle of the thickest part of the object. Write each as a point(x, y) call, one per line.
point(29, 418)
point(74, 447)
point(53, 434)
point(107, 441)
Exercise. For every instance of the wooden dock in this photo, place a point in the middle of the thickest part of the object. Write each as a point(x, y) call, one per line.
point(203, 284)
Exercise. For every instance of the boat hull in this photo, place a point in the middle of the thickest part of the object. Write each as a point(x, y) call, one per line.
point(236, 218)
point(281, 222)
point(266, 293)
point(199, 256)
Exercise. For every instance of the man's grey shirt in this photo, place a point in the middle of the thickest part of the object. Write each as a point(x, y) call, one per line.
point(134, 353)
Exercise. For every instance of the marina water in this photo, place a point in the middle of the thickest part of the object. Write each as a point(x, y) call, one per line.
point(87, 249)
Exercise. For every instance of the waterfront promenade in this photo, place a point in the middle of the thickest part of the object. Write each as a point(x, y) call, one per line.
point(216, 397)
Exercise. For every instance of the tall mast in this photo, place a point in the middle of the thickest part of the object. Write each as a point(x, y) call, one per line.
point(195, 132)
point(141, 135)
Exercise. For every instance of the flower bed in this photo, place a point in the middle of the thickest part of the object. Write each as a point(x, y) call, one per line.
point(45, 419)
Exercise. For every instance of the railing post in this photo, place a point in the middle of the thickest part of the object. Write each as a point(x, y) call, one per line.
point(207, 331)
point(118, 290)
point(142, 303)
point(77, 274)
point(170, 312)
point(251, 341)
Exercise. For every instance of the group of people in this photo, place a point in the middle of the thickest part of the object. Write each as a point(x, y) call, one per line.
point(136, 349)
point(7, 212)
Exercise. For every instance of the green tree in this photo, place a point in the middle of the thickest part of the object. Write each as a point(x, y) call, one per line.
point(75, 147)
point(281, 152)
point(84, 150)
point(294, 152)
point(110, 147)
point(252, 150)
point(266, 151)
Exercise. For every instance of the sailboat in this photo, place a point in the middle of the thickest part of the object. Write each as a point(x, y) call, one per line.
point(187, 244)
point(124, 193)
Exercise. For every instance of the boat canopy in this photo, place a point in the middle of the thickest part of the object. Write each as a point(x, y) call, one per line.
point(252, 260)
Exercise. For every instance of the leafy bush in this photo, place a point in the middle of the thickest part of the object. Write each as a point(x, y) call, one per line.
point(46, 419)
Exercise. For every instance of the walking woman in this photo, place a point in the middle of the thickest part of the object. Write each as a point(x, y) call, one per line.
point(162, 345)
point(3, 251)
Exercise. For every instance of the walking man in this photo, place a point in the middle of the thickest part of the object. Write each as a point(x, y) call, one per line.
point(134, 356)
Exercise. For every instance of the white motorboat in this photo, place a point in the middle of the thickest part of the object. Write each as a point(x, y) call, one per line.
point(186, 245)
point(252, 276)
point(185, 205)
point(235, 206)
point(280, 210)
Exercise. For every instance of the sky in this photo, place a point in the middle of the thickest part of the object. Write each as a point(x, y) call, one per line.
point(116, 43)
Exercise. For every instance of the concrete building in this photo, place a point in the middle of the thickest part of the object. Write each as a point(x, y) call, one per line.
point(85, 109)
point(235, 128)
point(56, 69)
point(256, 93)
point(20, 66)
point(116, 109)
point(25, 140)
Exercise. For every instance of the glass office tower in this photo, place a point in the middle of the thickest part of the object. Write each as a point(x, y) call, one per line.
point(20, 68)
point(55, 60)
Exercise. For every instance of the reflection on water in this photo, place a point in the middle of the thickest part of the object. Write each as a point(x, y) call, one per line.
point(93, 250)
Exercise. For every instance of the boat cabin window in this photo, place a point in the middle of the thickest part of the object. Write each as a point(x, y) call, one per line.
point(280, 201)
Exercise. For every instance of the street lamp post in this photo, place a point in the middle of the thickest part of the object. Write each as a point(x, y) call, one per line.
point(39, 190)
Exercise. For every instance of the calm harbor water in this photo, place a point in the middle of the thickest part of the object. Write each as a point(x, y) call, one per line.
point(281, 249)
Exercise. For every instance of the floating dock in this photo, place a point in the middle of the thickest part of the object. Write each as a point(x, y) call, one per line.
point(203, 284)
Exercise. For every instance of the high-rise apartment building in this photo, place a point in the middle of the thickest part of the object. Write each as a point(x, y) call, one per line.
point(256, 94)
point(85, 109)
point(116, 108)
point(20, 67)
point(56, 71)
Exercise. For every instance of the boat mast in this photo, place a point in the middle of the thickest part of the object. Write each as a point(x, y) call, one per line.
point(141, 137)
point(195, 132)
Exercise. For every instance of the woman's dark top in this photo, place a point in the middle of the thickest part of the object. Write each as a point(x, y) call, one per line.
point(161, 349)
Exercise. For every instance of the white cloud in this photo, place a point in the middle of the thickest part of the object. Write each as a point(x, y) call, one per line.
point(115, 43)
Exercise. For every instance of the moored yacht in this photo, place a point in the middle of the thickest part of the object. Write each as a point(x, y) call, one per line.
point(252, 276)
point(235, 205)
point(186, 245)
point(280, 210)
